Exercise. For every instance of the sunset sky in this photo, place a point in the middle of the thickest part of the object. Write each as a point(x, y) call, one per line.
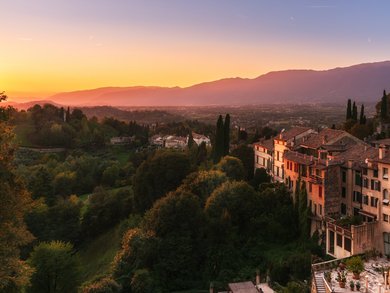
point(50, 46)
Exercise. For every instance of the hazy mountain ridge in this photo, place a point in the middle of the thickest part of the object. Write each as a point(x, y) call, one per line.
point(363, 82)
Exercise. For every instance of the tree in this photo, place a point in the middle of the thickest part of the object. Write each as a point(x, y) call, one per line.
point(67, 115)
point(102, 285)
point(362, 119)
point(191, 141)
point(232, 167)
point(177, 221)
point(349, 110)
point(303, 212)
point(233, 204)
point(261, 176)
point(15, 202)
point(354, 112)
point(142, 282)
point(201, 156)
point(203, 183)
point(56, 268)
point(160, 173)
point(226, 135)
point(384, 106)
point(40, 185)
point(247, 156)
point(219, 140)
point(139, 251)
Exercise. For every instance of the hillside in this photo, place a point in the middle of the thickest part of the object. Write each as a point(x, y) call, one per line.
point(363, 82)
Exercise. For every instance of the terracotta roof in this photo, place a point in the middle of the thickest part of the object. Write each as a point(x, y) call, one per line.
point(268, 143)
point(324, 137)
point(293, 132)
point(299, 158)
point(243, 287)
point(358, 154)
point(385, 141)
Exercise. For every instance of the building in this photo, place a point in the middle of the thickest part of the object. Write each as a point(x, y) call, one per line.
point(199, 138)
point(344, 177)
point(175, 142)
point(284, 142)
point(264, 154)
point(121, 140)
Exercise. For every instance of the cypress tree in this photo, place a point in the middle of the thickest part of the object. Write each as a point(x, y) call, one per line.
point(384, 105)
point(219, 140)
point(303, 213)
point(354, 112)
point(191, 141)
point(362, 120)
point(226, 135)
point(349, 110)
point(67, 115)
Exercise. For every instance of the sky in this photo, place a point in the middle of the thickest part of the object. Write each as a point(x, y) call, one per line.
point(50, 46)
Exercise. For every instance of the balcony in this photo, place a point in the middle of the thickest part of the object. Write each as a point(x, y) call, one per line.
point(315, 179)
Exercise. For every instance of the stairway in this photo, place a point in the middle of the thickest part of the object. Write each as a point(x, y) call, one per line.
point(320, 284)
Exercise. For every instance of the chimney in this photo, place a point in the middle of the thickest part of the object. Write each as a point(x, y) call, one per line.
point(382, 152)
point(350, 163)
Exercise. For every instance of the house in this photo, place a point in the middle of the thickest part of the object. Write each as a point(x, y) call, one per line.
point(121, 140)
point(263, 150)
point(199, 138)
point(176, 142)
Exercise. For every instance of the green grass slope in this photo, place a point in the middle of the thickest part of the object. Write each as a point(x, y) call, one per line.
point(96, 256)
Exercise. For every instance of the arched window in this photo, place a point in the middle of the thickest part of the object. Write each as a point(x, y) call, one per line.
point(385, 194)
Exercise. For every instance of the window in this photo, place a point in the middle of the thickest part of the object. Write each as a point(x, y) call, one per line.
point(376, 173)
point(377, 185)
point(344, 176)
point(320, 191)
point(263, 161)
point(315, 210)
point(357, 196)
point(364, 171)
point(385, 173)
point(365, 183)
point(343, 208)
point(365, 199)
point(358, 179)
point(320, 209)
point(347, 244)
point(296, 167)
point(374, 202)
point(310, 187)
point(339, 240)
point(385, 218)
point(331, 242)
point(385, 194)
point(343, 192)
point(372, 184)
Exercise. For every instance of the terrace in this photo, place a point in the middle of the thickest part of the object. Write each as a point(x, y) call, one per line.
point(370, 280)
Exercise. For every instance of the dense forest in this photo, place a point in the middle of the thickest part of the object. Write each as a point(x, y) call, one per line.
point(92, 217)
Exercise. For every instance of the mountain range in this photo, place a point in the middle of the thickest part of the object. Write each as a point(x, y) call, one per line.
point(363, 82)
